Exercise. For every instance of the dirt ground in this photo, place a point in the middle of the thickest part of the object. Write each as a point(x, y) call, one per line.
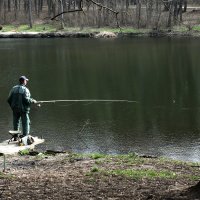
point(66, 176)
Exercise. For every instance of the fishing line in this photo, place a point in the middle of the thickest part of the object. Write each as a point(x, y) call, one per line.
point(86, 104)
point(67, 105)
point(87, 122)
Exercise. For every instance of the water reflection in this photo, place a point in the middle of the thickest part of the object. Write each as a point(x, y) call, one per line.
point(162, 75)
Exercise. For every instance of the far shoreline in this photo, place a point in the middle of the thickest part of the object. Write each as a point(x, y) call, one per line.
point(114, 33)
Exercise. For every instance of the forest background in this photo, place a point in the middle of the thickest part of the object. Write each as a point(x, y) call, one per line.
point(139, 14)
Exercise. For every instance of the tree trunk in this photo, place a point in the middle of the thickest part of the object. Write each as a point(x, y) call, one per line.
point(158, 14)
point(53, 7)
point(30, 14)
point(127, 5)
point(19, 4)
point(99, 15)
point(185, 6)
point(175, 17)
point(180, 10)
point(122, 11)
point(9, 5)
point(16, 9)
point(62, 16)
point(149, 10)
point(169, 23)
point(138, 13)
point(49, 7)
point(4, 13)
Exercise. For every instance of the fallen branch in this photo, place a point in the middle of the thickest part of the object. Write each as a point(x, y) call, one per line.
point(95, 3)
point(69, 11)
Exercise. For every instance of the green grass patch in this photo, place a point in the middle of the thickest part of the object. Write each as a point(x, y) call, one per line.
point(180, 28)
point(8, 28)
point(94, 169)
point(133, 30)
point(26, 28)
point(55, 27)
point(36, 28)
point(97, 155)
point(193, 177)
point(196, 28)
point(1, 175)
point(24, 152)
point(145, 173)
point(130, 158)
point(113, 30)
point(6, 176)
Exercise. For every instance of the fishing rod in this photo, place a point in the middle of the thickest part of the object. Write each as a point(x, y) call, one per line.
point(87, 100)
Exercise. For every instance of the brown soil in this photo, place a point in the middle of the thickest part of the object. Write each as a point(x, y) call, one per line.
point(70, 177)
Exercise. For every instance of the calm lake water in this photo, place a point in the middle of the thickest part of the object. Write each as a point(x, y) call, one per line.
point(162, 75)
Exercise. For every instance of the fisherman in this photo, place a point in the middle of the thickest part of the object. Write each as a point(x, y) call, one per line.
point(20, 100)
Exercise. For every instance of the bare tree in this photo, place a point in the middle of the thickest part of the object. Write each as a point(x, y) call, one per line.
point(30, 14)
point(62, 16)
point(149, 11)
point(185, 5)
point(158, 11)
point(16, 9)
point(170, 7)
point(138, 12)
point(5, 13)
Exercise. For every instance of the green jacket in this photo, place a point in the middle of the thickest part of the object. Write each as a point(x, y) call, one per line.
point(20, 98)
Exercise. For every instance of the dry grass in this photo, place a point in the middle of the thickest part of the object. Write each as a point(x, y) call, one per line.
point(70, 176)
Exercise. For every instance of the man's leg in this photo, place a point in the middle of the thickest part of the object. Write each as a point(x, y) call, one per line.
point(16, 120)
point(25, 123)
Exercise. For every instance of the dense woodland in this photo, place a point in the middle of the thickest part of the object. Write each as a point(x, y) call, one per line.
point(100, 13)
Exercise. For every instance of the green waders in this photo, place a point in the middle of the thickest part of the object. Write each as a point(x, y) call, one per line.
point(24, 116)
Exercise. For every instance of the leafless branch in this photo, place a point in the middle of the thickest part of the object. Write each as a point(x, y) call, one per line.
point(101, 6)
point(69, 11)
point(107, 8)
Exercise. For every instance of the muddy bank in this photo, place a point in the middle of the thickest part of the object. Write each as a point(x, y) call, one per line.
point(154, 34)
point(94, 176)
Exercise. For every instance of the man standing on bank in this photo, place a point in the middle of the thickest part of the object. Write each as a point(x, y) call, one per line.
point(20, 100)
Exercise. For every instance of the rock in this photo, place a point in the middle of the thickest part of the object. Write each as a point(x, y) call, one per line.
point(194, 191)
point(106, 34)
point(54, 152)
point(33, 153)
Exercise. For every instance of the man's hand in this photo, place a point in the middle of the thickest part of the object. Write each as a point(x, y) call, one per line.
point(34, 101)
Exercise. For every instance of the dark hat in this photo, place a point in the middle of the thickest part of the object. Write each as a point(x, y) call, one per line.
point(23, 78)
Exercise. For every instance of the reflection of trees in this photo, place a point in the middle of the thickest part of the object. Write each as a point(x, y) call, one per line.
point(165, 85)
point(152, 72)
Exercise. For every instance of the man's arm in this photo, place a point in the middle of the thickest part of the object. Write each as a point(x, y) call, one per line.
point(27, 96)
